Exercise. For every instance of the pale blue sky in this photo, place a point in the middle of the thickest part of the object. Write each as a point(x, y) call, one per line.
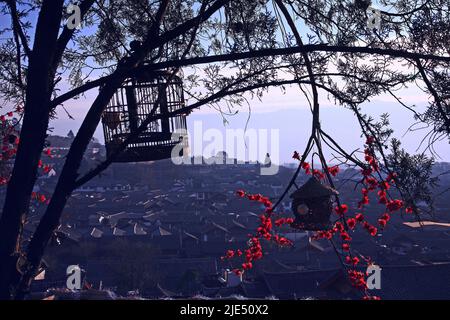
point(290, 114)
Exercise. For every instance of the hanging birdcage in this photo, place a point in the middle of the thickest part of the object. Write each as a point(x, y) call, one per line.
point(312, 206)
point(130, 106)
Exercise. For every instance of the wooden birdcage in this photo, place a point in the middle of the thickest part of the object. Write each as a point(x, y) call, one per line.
point(132, 104)
point(312, 205)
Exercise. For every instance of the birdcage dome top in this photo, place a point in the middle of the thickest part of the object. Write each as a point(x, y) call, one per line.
point(143, 74)
point(313, 189)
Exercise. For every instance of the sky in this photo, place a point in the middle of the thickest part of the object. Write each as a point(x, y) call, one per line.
point(286, 116)
point(287, 119)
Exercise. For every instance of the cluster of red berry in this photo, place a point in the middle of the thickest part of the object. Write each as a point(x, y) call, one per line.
point(10, 142)
point(371, 181)
point(265, 230)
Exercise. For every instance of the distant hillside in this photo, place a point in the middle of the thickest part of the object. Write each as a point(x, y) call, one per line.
point(65, 142)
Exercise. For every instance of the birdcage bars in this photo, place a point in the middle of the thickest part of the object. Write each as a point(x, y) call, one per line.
point(130, 106)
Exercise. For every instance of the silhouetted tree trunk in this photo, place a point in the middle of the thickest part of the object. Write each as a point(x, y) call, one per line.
point(15, 284)
point(43, 61)
point(34, 130)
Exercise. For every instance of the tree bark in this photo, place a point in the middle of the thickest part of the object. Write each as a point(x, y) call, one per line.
point(34, 128)
point(69, 174)
point(51, 219)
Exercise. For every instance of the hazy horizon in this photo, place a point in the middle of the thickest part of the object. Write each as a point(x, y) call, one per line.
point(290, 114)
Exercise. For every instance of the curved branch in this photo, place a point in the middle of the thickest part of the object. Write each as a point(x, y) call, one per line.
point(68, 33)
point(408, 13)
point(341, 150)
point(249, 55)
point(307, 48)
point(436, 97)
point(83, 88)
point(17, 26)
point(309, 68)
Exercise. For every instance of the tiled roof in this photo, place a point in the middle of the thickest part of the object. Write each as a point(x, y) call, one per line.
point(430, 282)
point(176, 267)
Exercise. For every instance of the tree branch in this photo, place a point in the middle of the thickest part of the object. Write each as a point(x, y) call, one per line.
point(436, 97)
point(249, 55)
point(18, 27)
point(293, 50)
point(68, 33)
point(309, 67)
